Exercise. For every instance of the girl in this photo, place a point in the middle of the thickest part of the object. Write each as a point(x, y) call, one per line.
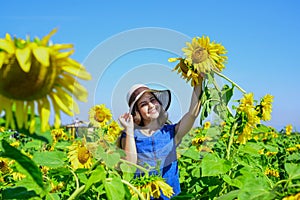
point(148, 139)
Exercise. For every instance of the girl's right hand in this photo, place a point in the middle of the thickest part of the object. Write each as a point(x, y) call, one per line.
point(126, 121)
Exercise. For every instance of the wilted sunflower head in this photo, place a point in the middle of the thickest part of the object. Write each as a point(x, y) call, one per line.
point(33, 75)
point(201, 57)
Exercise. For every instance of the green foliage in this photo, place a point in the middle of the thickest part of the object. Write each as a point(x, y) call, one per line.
point(265, 168)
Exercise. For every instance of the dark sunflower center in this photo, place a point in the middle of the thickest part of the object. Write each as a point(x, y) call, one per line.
point(99, 117)
point(19, 85)
point(199, 55)
point(83, 155)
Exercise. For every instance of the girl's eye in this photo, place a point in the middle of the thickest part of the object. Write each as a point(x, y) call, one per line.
point(143, 104)
point(153, 100)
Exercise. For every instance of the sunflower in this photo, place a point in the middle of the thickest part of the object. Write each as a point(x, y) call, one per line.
point(152, 186)
point(34, 74)
point(18, 176)
point(288, 129)
point(79, 155)
point(201, 57)
point(99, 115)
point(113, 132)
point(265, 107)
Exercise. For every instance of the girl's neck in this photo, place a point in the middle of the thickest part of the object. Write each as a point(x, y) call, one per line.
point(150, 127)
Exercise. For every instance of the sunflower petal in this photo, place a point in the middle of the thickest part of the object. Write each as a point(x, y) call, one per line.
point(58, 47)
point(65, 97)
point(44, 111)
point(31, 107)
point(19, 113)
point(82, 74)
point(23, 57)
point(7, 104)
point(57, 121)
point(63, 55)
point(73, 87)
point(7, 46)
point(42, 54)
point(2, 58)
point(46, 38)
point(56, 100)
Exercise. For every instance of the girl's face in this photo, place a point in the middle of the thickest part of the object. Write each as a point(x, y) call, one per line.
point(149, 107)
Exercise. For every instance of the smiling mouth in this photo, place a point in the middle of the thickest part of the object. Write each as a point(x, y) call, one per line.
point(152, 111)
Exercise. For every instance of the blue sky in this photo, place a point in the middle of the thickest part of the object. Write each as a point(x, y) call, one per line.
point(122, 42)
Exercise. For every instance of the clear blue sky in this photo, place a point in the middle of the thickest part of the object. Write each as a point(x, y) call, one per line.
point(261, 36)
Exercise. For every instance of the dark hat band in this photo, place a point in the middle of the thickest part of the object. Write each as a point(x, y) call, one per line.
point(135, 94)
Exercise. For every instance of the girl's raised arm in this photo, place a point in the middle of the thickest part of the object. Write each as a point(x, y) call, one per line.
point(187, 121)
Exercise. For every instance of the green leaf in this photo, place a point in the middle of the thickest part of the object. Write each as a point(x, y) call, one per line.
point(192, 153)
point(110, 159)
point(256, 187)
point(233, 182)
point(53, 196)
point(227, 93)
point(26, 163)
point(250, 148)
point(97, 175)
point(213, 166)
point(17, 193)
point(52, 159)
point(229, 196)
point(127, 171)
point(114, 189)
point(293, 170)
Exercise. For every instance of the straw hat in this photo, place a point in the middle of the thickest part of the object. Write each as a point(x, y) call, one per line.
point(137, 90)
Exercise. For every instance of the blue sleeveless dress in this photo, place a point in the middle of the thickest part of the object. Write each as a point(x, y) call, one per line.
point(158, 154)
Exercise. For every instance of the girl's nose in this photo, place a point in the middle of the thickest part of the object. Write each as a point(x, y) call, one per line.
point(151, 104)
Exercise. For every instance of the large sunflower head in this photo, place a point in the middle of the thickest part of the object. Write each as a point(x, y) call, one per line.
point(201, 57)
point(35, 74)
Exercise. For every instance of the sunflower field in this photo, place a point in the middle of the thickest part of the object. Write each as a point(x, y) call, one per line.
point(235, 156)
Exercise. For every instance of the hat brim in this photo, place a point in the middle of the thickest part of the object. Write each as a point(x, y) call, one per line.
point(163, 96)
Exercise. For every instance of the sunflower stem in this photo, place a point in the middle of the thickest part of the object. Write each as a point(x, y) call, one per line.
point(230, 141)
point(135, 165)
point(228, 79)
point(76, 192)
point(76, 179)
point(131, 186)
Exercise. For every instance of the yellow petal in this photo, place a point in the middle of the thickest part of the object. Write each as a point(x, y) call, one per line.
point(56, 100)
point(7, 105)
point(2, 58)
point(82, 74)
point(7, 46)
point(58, 47)
point(44, 112)
point(73, 87)
point(64, 54)
point(8, 37)
point(20, 113)
point(173, 59)
point(57, 121)
point(46, 38)
point(24, 58)
point(67, 99)
point(42, 55)
point(32, 116)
